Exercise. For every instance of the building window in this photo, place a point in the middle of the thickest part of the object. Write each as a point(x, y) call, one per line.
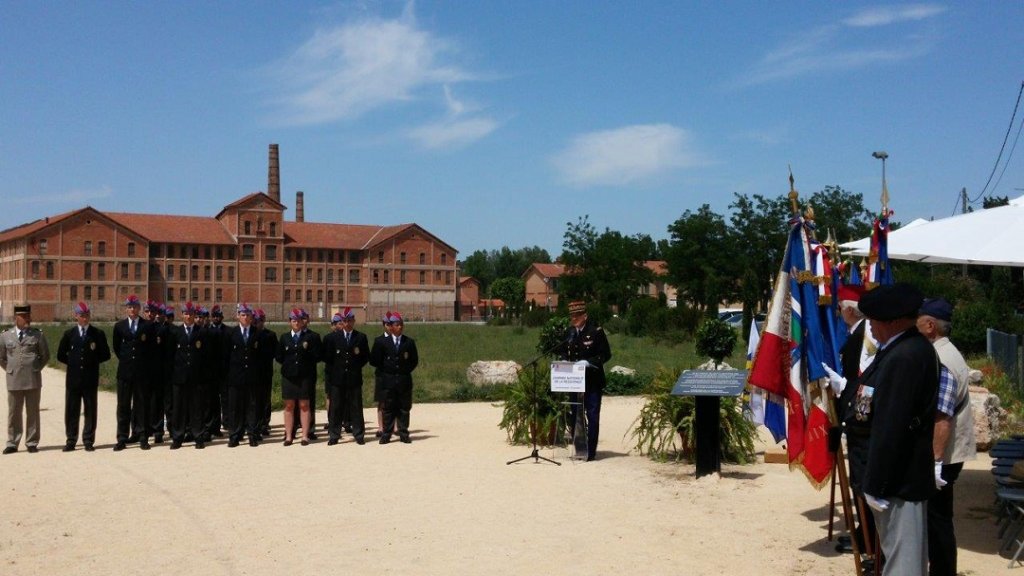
point(88, 292)
point(401, 257)
point(287, 274)
point(195, 294)
point(353, 277)
point(387, 277)
point(220, 252)
point(219, 273)
point(423, 276)
point(341, 295)
point(101, 248)
point(170, 271)
point(170, 294)
point(319, 255)
point(309, 255)
point(380, 257)
point(330, 295)
point(271, 252)
point(353, 257)
point(376, 277)
point(183, 275)
point(231, 273)
point(330, 256)
point(247, 251)
point(437, 276)
point(195, 272)
point(319, 295)
point(42, 247)
point(88, 248)
point(287, 294)
point(131, 249)
point(423, 257)
point(319, 274)
point(101, 270)
point(401, 277)
point(220, 294)
point(181, 294)
point(259, 224)
point(231, 252)
point(138, 270)
point(101, 293)
point(273, 229)
point(444, 259)
point(35, 269)
point(248, 228)
point(195, 252)
point(206, 294)
point(49, 270)
point(73, 292)
point(206, 272)
point(309, 274)
point(309, 295)
point(207, 252)
point(330, 276)
point(448, 279)
point(271, 274)
point(87, 275)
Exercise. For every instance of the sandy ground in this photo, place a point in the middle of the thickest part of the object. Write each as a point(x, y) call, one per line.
point(445, 504)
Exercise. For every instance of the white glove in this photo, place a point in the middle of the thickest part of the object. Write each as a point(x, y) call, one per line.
point(834, 379)
point(584, 363)
point(939, 482)
point(877, 504)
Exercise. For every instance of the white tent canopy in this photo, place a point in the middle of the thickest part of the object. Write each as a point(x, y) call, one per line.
point(993, 237)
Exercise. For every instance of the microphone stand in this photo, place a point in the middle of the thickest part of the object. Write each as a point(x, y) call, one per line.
point(535, 401)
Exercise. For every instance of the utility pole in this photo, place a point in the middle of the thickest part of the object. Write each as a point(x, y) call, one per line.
point(963, 200)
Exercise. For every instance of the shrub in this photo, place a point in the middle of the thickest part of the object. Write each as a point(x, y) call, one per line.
point(625, 384)
point(615, 325)
point(715, 339)
point(552, 334)
point(529, 408)
point(536, 317)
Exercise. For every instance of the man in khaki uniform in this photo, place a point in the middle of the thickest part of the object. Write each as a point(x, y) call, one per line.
point(23, 354)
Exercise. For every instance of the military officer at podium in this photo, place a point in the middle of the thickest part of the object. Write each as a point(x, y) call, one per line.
point(587, 343)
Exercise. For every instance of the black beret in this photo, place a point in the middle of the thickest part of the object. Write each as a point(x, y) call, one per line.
point(890, 302)
point(938, 308)
point(23, 309)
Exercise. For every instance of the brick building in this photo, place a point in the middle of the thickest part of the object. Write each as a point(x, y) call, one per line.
point(542, 280)
point(247, 252)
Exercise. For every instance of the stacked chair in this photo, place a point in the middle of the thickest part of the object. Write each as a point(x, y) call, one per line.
point(1010, 493)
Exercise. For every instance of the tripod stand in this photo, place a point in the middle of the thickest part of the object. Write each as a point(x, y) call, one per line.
point(534, 401)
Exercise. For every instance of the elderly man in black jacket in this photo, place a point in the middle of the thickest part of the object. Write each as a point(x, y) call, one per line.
point(899, 388)
point(83, 348)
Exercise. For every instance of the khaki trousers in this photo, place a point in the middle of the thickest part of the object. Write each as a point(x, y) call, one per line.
point(29, 401)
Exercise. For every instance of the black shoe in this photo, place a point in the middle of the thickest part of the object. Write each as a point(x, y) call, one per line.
point(265, 431)
point(287, 442)
point(378, 433)
point(843, 538)
point(200, 445)
point(33, 449)
point(133, 438)
point(312, 435)
point(405, 439)
point(69, 447)
point(10, 450)
point(189, 437)
point(385, 439)
point(216, 433)
point(144, 444)
point(90, 448)
point(304, 442)
point(158, 439)
point(844, 547)
point(175, 444)
point(232, 443)
point(119, 446)
point(332, 442)
point(360, 441)
point(254, 442)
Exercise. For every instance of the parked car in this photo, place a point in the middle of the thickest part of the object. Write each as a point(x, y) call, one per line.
point(737, 323)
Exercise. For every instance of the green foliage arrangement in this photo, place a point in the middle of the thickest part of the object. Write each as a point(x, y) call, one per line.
point(715, 339)
point(664, 429)
point(552, 333)
point(528, 407)
point(625, 384)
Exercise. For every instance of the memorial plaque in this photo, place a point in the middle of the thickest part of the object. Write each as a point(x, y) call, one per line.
point(710, 383)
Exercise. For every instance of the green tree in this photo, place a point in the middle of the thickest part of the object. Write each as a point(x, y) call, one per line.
point(842, 212)
point(607, 268)
point(489, 265)
point(512, 291)
point(700, 263)
point(479, 266)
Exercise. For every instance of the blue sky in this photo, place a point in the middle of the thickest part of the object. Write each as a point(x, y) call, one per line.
point(496, 123)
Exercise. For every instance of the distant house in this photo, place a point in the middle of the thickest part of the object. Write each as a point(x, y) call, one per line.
point(542, 282)
point(469, 298)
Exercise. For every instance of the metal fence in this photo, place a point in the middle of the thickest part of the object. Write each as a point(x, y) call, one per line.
point(1004, 349)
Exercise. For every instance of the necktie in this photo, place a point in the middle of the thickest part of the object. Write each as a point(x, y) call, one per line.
point(188, 332)
point(21, 335)
point(81, 332)
point(245, 336)
point(396, 341)
point(348, 337)
point(295, 338)
point(132, 324)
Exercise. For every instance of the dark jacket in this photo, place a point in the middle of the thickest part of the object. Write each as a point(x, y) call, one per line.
point(134, 352)
point(242, 358)
point(83, 356)
point(298, 359)
point(905, 378)
point(345, 360)
point(591, 344)
point(394, 365)
point(192, 358)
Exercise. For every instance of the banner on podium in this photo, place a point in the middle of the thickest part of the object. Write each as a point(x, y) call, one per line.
point(568, 377)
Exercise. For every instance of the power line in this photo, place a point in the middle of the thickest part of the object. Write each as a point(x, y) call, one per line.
point(1009, 129)
point(1009, 156)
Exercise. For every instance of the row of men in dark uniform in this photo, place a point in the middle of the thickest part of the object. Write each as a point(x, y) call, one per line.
point(198, 377)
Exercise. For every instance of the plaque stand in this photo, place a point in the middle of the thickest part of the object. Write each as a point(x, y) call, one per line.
point(708, 429)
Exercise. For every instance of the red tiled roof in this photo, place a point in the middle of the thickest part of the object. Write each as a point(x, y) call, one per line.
point(548, 270)
point(659, 267)
point(245, 199)
point(174, 228)
point(325, 235)
point(36, 225)
point(468, 279)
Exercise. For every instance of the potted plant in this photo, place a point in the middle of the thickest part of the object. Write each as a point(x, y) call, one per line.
point(530, 410)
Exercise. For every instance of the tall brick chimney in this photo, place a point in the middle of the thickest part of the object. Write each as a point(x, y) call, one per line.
point(274, 175)
point(300, 208)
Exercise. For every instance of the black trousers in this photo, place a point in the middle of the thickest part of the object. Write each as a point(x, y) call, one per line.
point(239, 413)
point(132, 407)
point(212, 414)
point(397, 406)
point(75, 398)
point(941, 538)
point(592, 408)
point(156, 406)
point(346, 407)
point(189, 411)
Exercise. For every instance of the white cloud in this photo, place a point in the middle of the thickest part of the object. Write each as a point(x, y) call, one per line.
point(73, 196)
point(346, 71)
point(452, 133)
point(837, 46)
point(625, 155)
point(884, 15)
